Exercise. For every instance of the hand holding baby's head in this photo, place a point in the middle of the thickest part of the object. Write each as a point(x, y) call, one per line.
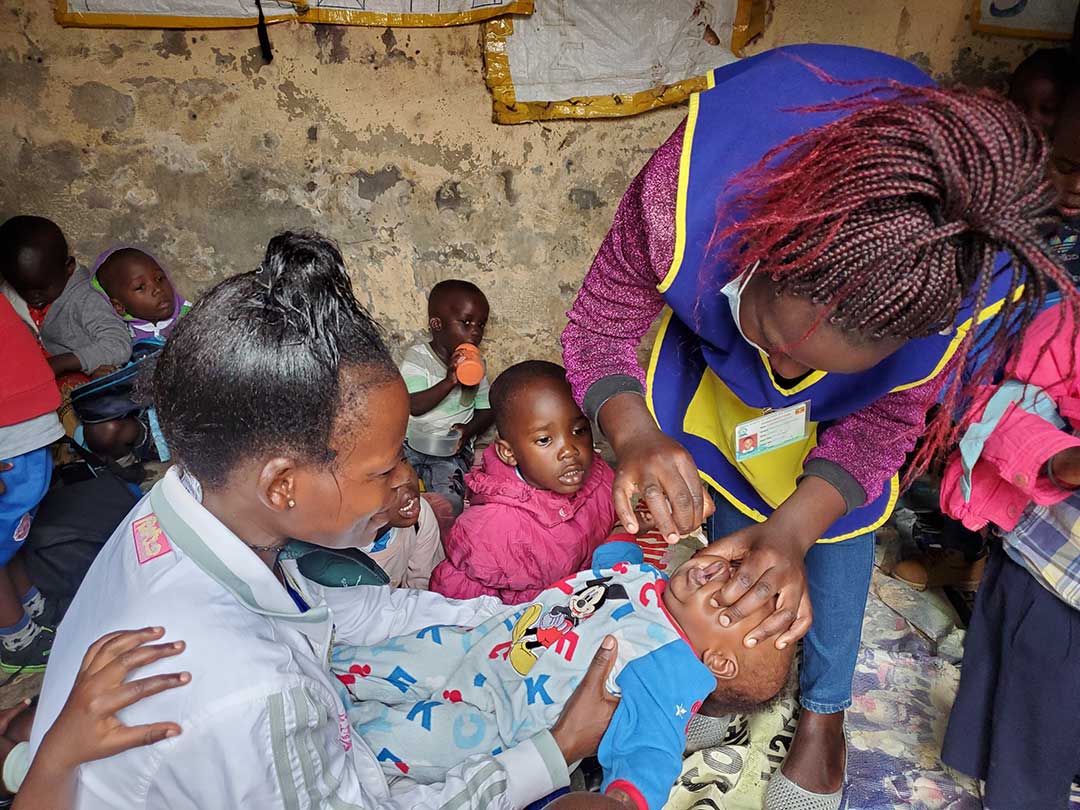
point(746, 677)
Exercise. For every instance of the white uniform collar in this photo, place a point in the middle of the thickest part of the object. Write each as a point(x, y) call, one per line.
point(225, 559)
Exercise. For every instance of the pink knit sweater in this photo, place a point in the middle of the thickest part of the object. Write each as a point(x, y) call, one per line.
point(618, 302)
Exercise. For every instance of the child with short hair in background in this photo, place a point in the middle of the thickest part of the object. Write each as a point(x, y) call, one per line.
point(1039, 85)
point(1065, 174)
point(78, 328)
point(439, 403)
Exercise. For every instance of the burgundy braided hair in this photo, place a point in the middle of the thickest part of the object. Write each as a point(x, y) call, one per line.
point(892, 217)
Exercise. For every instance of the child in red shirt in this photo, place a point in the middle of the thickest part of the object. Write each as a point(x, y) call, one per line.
point(28, 424)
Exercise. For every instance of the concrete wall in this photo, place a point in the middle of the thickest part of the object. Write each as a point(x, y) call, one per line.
point(187, 143)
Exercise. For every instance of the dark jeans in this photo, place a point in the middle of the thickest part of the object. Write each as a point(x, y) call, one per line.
point(443, 474)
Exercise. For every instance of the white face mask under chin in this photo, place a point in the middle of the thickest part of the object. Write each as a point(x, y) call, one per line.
point(733, 292)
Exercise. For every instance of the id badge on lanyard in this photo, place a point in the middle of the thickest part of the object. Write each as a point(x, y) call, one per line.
point(772, 430)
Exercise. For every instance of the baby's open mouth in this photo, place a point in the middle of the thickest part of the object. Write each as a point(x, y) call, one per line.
point(700, 575)
point(717, 573)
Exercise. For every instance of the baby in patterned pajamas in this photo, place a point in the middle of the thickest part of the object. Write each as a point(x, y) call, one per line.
point(426, 702)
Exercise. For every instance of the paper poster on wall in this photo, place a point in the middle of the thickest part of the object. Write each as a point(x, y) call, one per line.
point(608, 58)
point(170, 13)
point(1034, 19)
point(410, 13)
point(239, 13)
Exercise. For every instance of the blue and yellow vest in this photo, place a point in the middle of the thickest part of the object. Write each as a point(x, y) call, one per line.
point(704, 378)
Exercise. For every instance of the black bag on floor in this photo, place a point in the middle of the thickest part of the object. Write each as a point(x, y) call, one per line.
point(72, 523)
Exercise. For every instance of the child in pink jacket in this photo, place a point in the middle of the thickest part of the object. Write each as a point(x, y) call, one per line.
point(1016, 719)
point(1001, 467)
point(540, 502)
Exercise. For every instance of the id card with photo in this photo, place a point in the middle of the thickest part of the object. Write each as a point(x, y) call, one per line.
point(772, 430)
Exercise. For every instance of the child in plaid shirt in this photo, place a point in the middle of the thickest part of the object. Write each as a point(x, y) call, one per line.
point(1016, 719)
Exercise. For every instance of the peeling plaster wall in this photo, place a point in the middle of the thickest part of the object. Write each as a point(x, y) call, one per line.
point(187, 143)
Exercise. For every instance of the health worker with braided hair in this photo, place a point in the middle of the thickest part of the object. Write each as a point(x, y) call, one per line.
point(825, 234)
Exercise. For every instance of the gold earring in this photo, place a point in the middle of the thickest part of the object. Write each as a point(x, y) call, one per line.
point(292, 503)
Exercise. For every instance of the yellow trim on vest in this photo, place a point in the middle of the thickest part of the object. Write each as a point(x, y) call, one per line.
point(954, 344)
point(654, 358)
point(680, 197)
point(802, 385)
point(710, 79)
point(650, 382)
point(894, 496)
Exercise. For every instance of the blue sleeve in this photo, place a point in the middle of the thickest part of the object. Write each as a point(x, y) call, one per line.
point(608, 555)
point(641, 752)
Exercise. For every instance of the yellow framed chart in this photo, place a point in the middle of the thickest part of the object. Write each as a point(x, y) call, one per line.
point(241, 13)
point(609, 58)
point(1031, 19)
point(411, 13)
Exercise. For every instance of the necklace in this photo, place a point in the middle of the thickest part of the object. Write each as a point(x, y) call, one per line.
point(267, 549)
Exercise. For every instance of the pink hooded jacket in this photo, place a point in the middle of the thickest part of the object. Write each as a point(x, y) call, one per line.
point(1010, 472)
point(514, 540)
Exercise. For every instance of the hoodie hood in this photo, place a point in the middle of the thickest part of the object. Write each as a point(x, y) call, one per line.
point(139, 327)
point(495, 481)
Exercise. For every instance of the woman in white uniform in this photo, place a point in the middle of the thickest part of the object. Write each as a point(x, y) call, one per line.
point(286, 416)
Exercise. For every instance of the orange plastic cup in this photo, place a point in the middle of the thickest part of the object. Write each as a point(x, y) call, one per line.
point(470, 369)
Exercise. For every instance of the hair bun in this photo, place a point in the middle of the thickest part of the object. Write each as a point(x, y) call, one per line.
point(305, 286)
point(257, 366)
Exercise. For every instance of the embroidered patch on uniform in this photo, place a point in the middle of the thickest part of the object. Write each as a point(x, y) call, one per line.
point(150, 540)
point(344, 733)
point(22, 529)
